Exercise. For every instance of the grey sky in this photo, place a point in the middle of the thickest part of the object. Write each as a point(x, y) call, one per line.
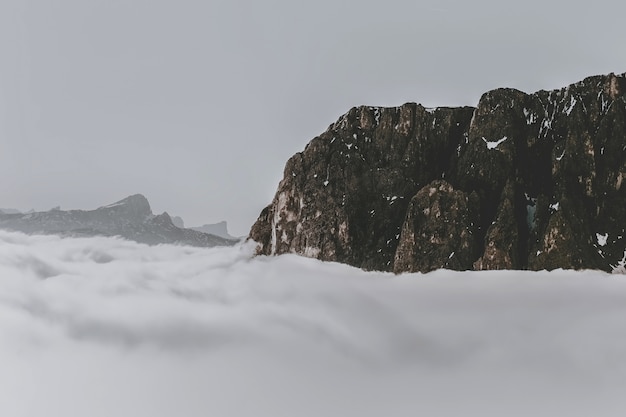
point(198, 104)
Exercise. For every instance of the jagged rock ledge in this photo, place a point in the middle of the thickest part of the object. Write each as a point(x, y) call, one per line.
point(522, 181)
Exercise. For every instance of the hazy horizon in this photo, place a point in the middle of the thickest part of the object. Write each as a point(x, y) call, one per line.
point(198, 105)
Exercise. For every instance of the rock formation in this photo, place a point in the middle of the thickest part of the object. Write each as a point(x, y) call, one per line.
point(217, 229)
point(522, 181)
point(130, 218)
point(178, 221)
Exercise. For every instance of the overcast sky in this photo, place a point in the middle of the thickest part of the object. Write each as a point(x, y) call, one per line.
point(197, 104)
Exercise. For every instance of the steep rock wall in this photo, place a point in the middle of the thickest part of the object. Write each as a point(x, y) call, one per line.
point(535, 181)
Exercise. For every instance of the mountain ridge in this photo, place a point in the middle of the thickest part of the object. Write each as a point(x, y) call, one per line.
point(130, 218)
point(217, 229)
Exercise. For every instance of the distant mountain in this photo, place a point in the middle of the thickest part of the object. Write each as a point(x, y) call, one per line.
point(217, 229)
point(9, 211)
point(178, 221)
point(130, 218)
point(522, 181)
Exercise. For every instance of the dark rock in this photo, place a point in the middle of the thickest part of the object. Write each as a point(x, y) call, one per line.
point(438, 231)
point(345, 197)
point(542, 173)
point(501, 245)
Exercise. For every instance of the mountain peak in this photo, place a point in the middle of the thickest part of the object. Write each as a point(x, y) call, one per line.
point(133, 199)
point(136, 205)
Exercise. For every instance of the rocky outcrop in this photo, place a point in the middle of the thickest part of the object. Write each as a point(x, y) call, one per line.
point(178, 221)
point(438, 230)
point(522, 181)
point(217, 229)
point(130, 218)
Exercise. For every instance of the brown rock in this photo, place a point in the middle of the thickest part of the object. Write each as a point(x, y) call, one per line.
point(439, 230)
point(544, 173)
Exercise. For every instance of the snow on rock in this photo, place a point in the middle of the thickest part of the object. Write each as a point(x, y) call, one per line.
point(571, 105)
point(620, 268)
point(494, 145)
point(531, 117)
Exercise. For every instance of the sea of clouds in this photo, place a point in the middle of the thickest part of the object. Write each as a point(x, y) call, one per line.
point(106, 327)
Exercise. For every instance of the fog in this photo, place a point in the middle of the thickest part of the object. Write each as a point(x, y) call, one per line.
point(199, 104)
point(103, 327)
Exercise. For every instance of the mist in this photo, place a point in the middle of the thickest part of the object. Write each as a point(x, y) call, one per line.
point(102, 326)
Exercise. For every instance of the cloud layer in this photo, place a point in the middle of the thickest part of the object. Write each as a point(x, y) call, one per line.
point(105, 327)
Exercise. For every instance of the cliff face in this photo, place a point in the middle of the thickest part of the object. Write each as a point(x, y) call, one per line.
point(521, 181)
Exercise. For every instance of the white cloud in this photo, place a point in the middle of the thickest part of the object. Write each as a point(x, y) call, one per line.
point(105, 327)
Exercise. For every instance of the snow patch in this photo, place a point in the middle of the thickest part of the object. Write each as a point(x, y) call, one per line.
point(119, 203)
point(620, 268)
point(571, 105)
point(602, 238)
point(494, 145)
point(311, 252)
point(531, 117)
point(606, 104)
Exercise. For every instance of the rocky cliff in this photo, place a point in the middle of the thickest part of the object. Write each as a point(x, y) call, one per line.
point(522, 181)
point(130, 218)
